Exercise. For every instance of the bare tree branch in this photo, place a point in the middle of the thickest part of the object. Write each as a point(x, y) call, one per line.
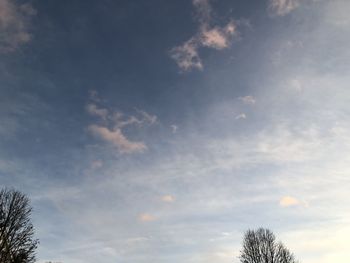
point(260, 246)
point(17, 244)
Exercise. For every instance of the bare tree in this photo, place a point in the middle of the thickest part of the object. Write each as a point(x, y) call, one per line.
point(17, 244)
point(260, 246)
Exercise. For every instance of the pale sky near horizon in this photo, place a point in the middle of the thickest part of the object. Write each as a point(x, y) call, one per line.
point(159, 131)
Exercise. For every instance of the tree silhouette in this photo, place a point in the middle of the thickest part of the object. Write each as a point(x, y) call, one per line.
point(17, 244)
point(260, 246)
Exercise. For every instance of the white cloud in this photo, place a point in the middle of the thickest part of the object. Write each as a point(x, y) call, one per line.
point(248, 100)
point(186, 55)
point(14, 25)
point(241, 116)
point(282, 7)
point(174, 128)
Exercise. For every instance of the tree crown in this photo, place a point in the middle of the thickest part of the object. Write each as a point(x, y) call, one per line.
point(17, 243)
point(260, 246)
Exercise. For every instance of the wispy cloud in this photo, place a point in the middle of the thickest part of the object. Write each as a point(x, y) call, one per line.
point(99, 112)
point(14, 25)
point(111, 128)
point(282, 7)
point(117, 138)
point(168, 198)
point(145, 217)
point(174, 128)
point(186, 55)
point(217, 37)
point(96, 164)
point(241, 116)
point(250, 100)
point(287, 201)
point(147, 118)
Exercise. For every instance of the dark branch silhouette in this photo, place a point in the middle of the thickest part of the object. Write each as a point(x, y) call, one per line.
point(260, 246)
point(17, 244)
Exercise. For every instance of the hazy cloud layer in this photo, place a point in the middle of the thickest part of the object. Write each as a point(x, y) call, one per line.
point(260, 139)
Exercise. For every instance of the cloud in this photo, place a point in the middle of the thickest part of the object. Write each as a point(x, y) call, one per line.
point(96, 164)
point(248, 100)
point(111, 129)
point(99, 112)
point(144, 118)
point(14, 25)
point(147, 118)
point(174, 128)
point(186, 55)
point(287, 201)
point(117, 138)
point(282, 7)
point(295, 84)
point(93, 96)
point(218, 38)
point(145, 217)
point(168, 198)
point(119, 122)
point(203, 9)
point(241, 116)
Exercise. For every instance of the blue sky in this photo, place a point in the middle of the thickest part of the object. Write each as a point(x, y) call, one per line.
point(159, 131)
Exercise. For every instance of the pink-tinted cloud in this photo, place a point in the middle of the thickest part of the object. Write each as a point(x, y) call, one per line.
point(14, 25)
point(111, 129)
point(287, 201)
point(117, 138)
point(145, 217)
point(187, 55)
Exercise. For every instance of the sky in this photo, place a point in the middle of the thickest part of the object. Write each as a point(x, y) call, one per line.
point(160, 131)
